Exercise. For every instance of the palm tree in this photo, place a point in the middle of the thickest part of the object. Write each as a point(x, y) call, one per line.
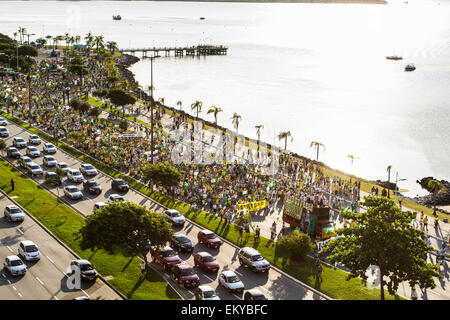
point(180, 104)
point(57, 39)
point(112, 46)
point(22, 33)
point(67, 39)
point(214, 110)
point(15, 34)
point(99, 42)
point(89, 40)
point(161, 103)
point(258, 133)
point(235, 121)
point(436, 188)
point(285, 135)
point(77, 39)
point(388, 169)
point(352, 158)
point(48, 37)
point(317, 145)
point(197, 105)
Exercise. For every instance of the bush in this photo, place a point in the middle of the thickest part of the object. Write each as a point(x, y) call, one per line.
point(298, 244)
point(27, 51)
point(123, 125)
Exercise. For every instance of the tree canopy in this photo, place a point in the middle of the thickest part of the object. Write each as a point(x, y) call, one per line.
point(120, 97)
point(385, 238)
point(126, 224)
point(162, 173)
point(298, 244)
point(27, 51)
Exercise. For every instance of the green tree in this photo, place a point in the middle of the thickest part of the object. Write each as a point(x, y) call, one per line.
point(215, 111)
point(436, 188)
point(197, 106)
point(297, 243)
point(112, 46)
point(317, 145)
point(125, 224)
point(385, 238)
point(285, 136)
point(27, 51)
point(2, 145)
point(25, 63)
point(180, 104)
point(78, 67)
point(120, 98)
point(235, 119)
point(162, 173)
point(123, 125)
point(84, 107)
point(95, 112)
point(75, 103)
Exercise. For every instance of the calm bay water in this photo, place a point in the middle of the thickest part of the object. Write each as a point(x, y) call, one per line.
point(317, 70)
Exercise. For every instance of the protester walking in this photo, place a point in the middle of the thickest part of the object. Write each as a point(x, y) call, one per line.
point(143, 267)
point(425, 223)
point(12, 184)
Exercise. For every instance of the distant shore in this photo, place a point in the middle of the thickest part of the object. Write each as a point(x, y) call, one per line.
point(253, 1)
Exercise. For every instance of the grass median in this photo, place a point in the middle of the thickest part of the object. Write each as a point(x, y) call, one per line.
point(65, 224)
point(334, 284)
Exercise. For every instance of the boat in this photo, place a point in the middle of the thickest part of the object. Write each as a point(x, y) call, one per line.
point(410, 67)
point(202, 18)
point(394, 57)
point(118, 17)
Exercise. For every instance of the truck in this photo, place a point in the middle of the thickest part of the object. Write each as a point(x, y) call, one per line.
point(308, 218)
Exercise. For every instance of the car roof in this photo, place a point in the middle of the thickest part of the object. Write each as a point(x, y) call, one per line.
point(12, 258)
point(250, 250)
point(205, 288)
point(183, 265)
point(204, 254)
point(167, 248)
point(82, 261)
point(12, 206)
point(255, 292)
point(172, 210)
point(206, 231)
point(228, 273)
point(49, 156)
point(180, 235)
point(27, 242)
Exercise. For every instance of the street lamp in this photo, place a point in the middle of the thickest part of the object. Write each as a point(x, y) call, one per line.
point(397, 180)
point(151, 106)
point(28, 35)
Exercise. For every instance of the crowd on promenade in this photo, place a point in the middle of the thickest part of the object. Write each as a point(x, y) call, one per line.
point(216, 188)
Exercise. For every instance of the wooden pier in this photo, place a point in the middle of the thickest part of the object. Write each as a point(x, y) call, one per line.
point(201, 50)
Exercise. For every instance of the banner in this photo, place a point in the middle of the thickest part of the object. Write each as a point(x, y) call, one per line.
point(252, 206)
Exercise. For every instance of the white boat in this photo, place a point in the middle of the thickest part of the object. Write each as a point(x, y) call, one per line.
point(118, 17)
point(410, 67)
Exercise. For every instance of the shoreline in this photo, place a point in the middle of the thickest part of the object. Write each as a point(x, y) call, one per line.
point(239, 1)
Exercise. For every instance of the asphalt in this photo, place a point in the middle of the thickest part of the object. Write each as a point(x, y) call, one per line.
point(274, 285)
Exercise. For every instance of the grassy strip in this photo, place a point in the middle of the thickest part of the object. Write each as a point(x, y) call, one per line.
point(334, 284)
point(65, 223)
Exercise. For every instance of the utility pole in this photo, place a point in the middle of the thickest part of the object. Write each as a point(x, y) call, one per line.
point(151, 107)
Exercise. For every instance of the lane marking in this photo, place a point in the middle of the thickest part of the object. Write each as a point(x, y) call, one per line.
point(239, 273)
point(208, 277)
point(50, 259)
point(86, 293)
point(14, 288)
point(56, 298)
point(236, 296)
point(435, 292)
point(9, 248)
point(39, 281)
point(190, 292)
point(18, 229)
point(9, 281)
point(19, 294)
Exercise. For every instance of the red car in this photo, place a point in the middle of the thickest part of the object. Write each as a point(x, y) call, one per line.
point(166, 256)
point(206, 261)
point(186, 275)
point(209, 238)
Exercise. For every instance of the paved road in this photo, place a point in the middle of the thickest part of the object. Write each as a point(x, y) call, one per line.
point(274, 285)
point(46, 278)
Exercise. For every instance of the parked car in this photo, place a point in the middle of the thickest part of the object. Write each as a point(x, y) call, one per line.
point(74, 175)
point(15, 266)
point(49, 148)
point(34, 169)
point(18, 142)
point(205, 293)
point(181, 243)
point(99, 205)
point(49, 161)
point(13, 213)
point(230, 281)
point(92, 186)
point(81, 298)
point(165, 256)
point(3, 122)
point(254, 294)
point(88, 169)
point(87, 270)
point(206, 261)
point(175, 217)
point(13, 152)
point(4, 132)
point(29, 251)
point(253, 259)
point(209, 238)
point(114, 198)
point(63, 166)
point(33, 152)
point(34, 139)
point(73, 193)
point(51, 177)
point(119, 185)
point(24, 160)
point(185, 275)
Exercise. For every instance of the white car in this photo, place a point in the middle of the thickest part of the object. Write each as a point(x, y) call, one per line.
point(63, 166)
point(49, 148)
point(88, 169)
point(73, 192)
point(205, 293)
point(18, 142)
point(175, 217)
point(34, 139)
point(230, 281)
point(34, 169)
point(13, 213)
point(3, 122)
point(15, 266)
point(29, 251)
point(33, 152)
point(74, 175)
point(99, 205)
point(114, 198)
point(49, 161)
point(24, 160)
point(4, 132)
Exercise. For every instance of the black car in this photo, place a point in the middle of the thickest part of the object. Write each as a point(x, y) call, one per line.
point(13, 153)
point(180, 242)
point(92, 186)
point(119, 184)
point(85, 269)
point(254, 294)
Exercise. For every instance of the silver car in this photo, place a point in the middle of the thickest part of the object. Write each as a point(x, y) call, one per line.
point(253, 259)
point(19, 142)
point(88, 169)
point(205, 293)
point(49, 161)
point(34, 139)
point(3, 122)
point(29, 251)
point(75, 175)
point(63, 166)
point(49, 148)
point(4, 132)
point(34, 169)
point(15, 266)
point(13, 213)
point(72, 192)
point(230, 281)
point(33, 152)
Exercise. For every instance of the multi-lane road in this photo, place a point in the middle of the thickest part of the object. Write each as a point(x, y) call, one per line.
point(45, 279)
point(273, 284)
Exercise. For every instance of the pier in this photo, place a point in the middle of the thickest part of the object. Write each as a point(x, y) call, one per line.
point(201, 50)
